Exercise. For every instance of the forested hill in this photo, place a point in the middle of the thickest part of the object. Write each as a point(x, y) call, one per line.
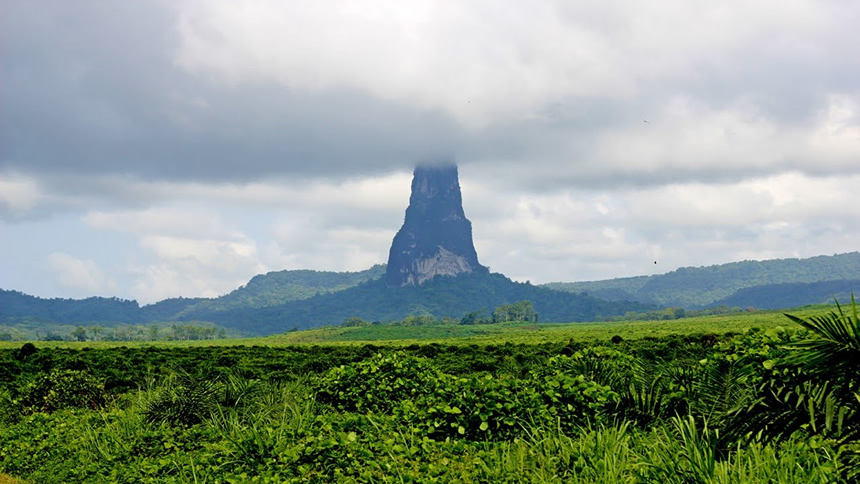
point(270, 289)
point(16, 307)
point(793, 294)
point(282, 300)
point(440, 297)
point(697, 287)
point(372, 300)
point(275, 288)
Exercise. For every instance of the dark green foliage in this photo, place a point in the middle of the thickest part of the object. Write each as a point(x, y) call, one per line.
point(834, 349)
point(606, 366)
point(265, 290)
point(814, 389)
point(26, 350)
point(722, 387)
point(644, 391)
point(46, 448)
point(420, 320)
point(520, 311)
point(275, 288)
point(58, 390)
point(790, 295)
point(441, 297)
point(376, 384)
point(17, 306)
point(475, 317)
point(476, 407)
point(370, 300)
point(574, 402)
point(354, 322)
point(431, 413)
point(183, 400)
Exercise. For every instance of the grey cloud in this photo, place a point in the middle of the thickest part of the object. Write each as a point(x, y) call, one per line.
point(92, 90)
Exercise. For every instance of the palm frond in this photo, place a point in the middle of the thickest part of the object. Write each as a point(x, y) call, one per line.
point(781, 411)
point(834, 348)
point(722, 389)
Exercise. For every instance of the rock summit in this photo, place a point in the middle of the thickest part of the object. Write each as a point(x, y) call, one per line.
point(436, 237)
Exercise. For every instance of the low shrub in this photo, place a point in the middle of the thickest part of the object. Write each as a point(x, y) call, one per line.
point(60, 389)
point(376, 384)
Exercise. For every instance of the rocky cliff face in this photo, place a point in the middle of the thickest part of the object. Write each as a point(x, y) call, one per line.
point(436, 237)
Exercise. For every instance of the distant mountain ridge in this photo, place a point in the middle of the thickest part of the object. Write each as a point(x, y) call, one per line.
point(443, 296)
point(792, 294)
point(370, 299)
point(699, 287)
point(283, 300)
point(273, 288)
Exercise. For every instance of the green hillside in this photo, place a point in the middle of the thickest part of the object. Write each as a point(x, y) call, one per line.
point(698, 287)
point(776, 296)
point(284, 300)
point(16, 307)
point(270, 289)
point(440, 297)
point(276, 288)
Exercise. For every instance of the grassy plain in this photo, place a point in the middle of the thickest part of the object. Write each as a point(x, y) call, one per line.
point(516, 333)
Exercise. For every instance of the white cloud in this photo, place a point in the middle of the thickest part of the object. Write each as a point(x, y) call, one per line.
point(383, 193)
point(586, 235)
point(836, 137)
point(83, 276)
point(339, 248)
point(480, 61)
point(18, 195)
point(189, 246)
point(197, 222)
point(193, 267)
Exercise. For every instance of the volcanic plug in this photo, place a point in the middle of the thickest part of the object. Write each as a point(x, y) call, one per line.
point(436, 237)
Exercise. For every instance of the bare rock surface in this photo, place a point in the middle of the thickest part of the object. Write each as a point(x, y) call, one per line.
point(436, 237)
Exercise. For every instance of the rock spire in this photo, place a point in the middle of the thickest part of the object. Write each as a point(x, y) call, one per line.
point(436, 237)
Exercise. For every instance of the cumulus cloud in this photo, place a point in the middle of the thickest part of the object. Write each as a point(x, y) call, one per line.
point(82, 276)
point(194, 267)
point(587, 235)
point(190, 251)
point(195, 222)
point(19, 195)
point(478, 61)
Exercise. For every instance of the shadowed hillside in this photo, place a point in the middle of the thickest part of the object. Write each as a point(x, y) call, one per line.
point(439, 297)
point(698, 287)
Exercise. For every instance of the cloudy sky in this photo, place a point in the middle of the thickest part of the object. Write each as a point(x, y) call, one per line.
point(151, 149)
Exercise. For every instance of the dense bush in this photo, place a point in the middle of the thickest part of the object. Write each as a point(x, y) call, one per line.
point(475, 407)
point(376, 384)
point(60, 389)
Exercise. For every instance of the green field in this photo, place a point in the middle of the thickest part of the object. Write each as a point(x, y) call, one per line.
point(531, 333)
point(742, 398)
point(517, 333)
